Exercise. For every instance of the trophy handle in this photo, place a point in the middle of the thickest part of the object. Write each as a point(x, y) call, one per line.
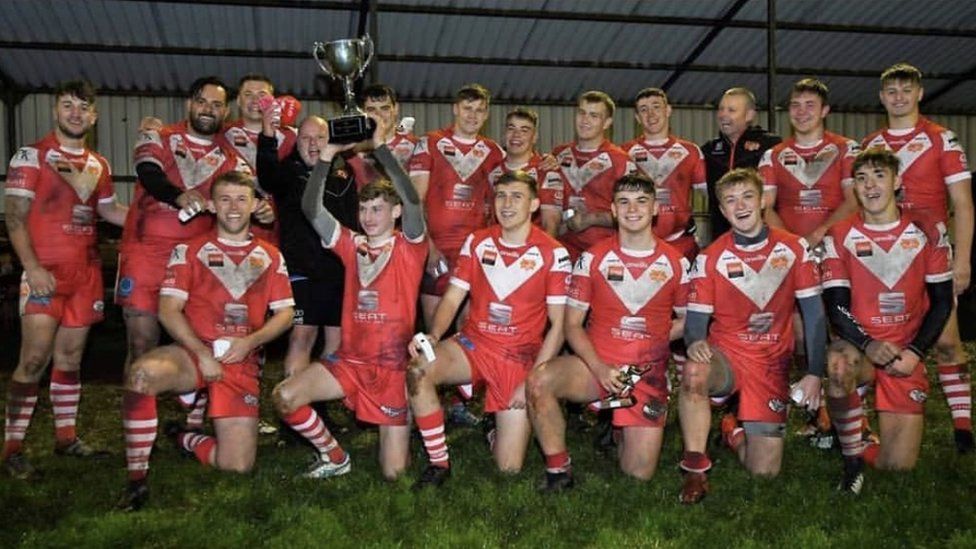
point(316, 48)
point(368, 48)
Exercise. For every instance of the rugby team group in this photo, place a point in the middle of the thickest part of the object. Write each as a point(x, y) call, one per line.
point(574, 276)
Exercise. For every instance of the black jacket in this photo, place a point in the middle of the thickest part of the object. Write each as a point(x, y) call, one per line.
point(285, 180)
point(721, 156)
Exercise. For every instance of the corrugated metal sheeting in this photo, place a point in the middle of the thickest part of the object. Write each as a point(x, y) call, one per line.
point(119, 117)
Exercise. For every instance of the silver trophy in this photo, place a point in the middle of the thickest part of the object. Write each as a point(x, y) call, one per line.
point(346, 60)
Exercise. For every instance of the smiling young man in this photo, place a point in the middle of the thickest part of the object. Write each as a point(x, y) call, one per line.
point(214, 302)
point(515, 275)
point(888, 287)
point(934, 175)
point(383, 267)
point(739, 333)
point(53, 190)
point(576, 196)
point(630, 284)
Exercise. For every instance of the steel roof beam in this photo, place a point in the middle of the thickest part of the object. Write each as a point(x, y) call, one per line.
point(703, 44)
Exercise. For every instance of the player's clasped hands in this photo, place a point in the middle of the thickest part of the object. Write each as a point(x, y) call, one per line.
point(210, 369)
point(882, 352)
point(700, 351)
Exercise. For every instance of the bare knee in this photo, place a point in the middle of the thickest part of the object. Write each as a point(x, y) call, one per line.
point(32, 364)
point(537, 386)
point(508, 465)
point(694, 380)
point(417, 380)
point(392, 471)
point(240, 465)
point(948, 350)
point(284, 398)
point(641, 470)
point(142, 377)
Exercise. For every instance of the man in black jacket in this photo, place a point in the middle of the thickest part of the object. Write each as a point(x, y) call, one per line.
point(740, 144)
point(316, 274)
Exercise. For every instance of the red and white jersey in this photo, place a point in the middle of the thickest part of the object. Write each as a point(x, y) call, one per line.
point(458, 193)
point(65, 186)
point(379, 303)
point(809, 182)
point(676, 166)
point(631, 295)
point(886, 268)
point(228, 286)
point(366, 170)
point(931, 160)
point(510, 287)
point(531, 167)
point(245, 141)
point(751, 292)
point(190, 163)
point(584, 181)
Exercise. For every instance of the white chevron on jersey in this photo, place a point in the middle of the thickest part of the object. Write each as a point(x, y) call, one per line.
point(579, 176)
point(503, 278)
point(808, 173)
point(909, 152)
point(660, 169)
point(888, 266)
point(759, 286)
point(235, 277)
point(635, 292)
point(194, 172)
point(464, 164)
point(370, 262)
point(82, 179)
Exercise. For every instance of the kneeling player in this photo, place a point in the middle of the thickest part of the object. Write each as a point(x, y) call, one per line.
point(383, 270)
point(516, 276)
point(213, 302)
point(637, 280)
point(888, 289)
point(747, 283)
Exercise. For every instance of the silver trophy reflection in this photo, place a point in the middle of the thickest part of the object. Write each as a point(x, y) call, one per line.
point(346, 60)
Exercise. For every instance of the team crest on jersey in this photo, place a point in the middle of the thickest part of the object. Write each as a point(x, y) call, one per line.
point(25, 157)
point(464, 165)
point(887, 266)
point(81, 174)
point(236, 278)
point(503, 278)
point(751, 146)
point(635, 291)
point(177, 256)
point(759, 286)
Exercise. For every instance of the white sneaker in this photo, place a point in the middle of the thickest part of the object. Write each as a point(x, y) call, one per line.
point(265, 428)
point(323, 468)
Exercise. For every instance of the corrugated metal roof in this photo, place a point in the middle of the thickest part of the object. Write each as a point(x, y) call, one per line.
point(525, 50)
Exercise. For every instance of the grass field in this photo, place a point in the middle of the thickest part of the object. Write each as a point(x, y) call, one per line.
point(72, 506)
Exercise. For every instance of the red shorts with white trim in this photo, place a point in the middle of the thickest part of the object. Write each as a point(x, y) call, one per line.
point(901, 395)
point(142, 267)
point(377, 395)
point(78, 295)
point(500, 370)
point(237, 392)
point(763, 386)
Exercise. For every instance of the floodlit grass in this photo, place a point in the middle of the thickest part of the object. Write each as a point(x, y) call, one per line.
point(193, 507)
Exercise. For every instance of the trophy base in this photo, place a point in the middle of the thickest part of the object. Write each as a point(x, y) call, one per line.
point(351, 129)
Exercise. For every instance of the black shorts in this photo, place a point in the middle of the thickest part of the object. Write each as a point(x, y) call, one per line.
point(317, 302)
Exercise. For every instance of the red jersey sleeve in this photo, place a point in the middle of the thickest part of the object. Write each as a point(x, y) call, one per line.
point(421, 160)
point(834, 267)
point(699, 179)
point(684, 285)
point(105, 190)
point(580, 290)
point(149, 148)
point(343, 244)
point(952, 161)
point(806, 275)
point(766, 171)
point(464, 269)
point(179, 274)
point(279, 286)
point(24, 172)
point(701, 295)
point(851, 150)
point(559, 276)
point(551, 190)
point(938, 261)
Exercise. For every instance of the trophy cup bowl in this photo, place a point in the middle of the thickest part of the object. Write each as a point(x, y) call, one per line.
point(346, 60)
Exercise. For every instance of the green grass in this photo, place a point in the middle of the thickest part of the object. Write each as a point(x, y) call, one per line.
point(192, 507)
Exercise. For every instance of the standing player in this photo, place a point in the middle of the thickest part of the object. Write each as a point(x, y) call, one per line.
point(747, 284)
point(516, 275)
point(807, 177)
point(888, 288)
point(740, 144)
point(576, 196)
point(676, 167)
point(450, 170)
point(54, 188)
point(383, 270)
point(521, 133)
point(380, 102)
point(932, 169)
point(638, 281)
point(214, 301)
point(316, 275)
point(176, 166)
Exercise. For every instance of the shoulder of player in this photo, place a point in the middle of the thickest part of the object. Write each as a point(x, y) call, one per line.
point(934, 231)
